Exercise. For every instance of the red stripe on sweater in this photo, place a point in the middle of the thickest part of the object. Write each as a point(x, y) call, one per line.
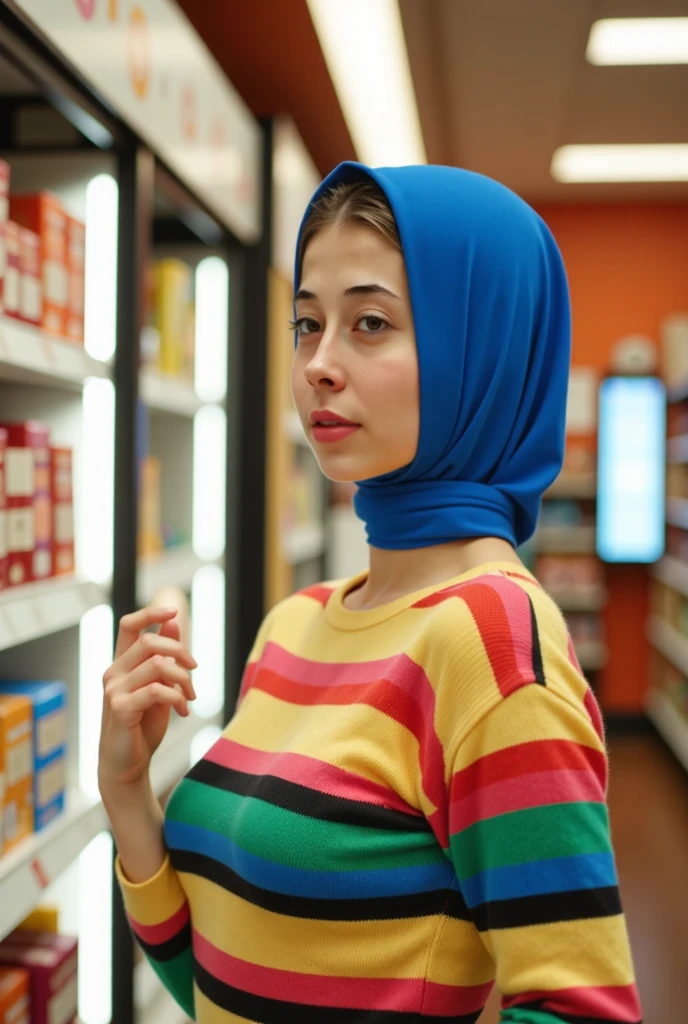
point(400, 995)
point(308, 772)
point(156, 934)
point(613, 1003)
point(528, 759)
point(318, 593)
point(542, 789)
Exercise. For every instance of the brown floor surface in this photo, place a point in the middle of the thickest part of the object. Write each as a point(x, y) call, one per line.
point(648, 800)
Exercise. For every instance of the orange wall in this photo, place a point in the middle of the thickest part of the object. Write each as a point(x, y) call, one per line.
point(627, 268)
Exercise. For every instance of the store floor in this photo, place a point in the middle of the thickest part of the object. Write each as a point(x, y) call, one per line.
point(648, 798)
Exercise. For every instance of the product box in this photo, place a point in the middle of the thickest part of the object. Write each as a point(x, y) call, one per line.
point(4, 191)
point(173, 290)
point(43, 213)
point(76, 281)
point(150, 529)
point(52, 963)
point(29, 506)
point(44, 918)
point(15, 996)
point(16, 770)
point(11, 287)
point(3, 512)
point(49, 712)
point(30, 288)
point(62, 490)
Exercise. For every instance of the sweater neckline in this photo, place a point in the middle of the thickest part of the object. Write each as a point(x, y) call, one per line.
point(341, 617)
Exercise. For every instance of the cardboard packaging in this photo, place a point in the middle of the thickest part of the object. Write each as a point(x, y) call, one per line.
point(16, 771)
point(3, 513)
point(45, 918)
point(43, 213)
point(173, 290)
point(150, 529)
point(30, 288)
point(49, 713)
point(4, 191)
point(52, 963)
point(11, 288)
point(29, 505)
point(15, 996)
point(76, 281)
point(62, 490)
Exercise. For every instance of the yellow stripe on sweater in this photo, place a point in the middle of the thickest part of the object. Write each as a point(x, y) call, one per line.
point(154, 901)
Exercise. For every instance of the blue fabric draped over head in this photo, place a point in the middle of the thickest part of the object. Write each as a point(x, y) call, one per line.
point(491, 313)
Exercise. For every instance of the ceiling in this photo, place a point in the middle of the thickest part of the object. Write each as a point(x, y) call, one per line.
point(500, 84)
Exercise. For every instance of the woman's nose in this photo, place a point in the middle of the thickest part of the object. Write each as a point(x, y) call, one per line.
point(324, 370)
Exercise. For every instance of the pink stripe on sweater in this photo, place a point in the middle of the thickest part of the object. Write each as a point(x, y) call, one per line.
point(517, 794)
point(613, 1003)
point(308, 772)
point(401, 995)
point(156, 934)
point(517, 608)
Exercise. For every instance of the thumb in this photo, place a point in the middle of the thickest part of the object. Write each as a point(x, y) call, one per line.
point(170, 629)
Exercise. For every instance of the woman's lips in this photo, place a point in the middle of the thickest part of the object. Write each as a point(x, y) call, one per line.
point(326, 434)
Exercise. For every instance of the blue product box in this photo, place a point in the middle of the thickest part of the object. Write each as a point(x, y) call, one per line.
point(49, 744)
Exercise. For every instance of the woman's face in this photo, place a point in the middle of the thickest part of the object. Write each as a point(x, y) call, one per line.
point(355, 370)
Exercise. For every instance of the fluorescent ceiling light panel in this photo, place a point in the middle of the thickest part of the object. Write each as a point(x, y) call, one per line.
point(665, 162)
point(365, 49)
point(639, 41)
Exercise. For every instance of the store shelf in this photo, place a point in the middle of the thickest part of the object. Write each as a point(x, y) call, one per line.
point(304, 542)
point(677, 449)
point(579, 540)
point(580, 599)
point(175, 567)
point(574, 485)
point(592, 656)
point(169, 394)
point(26, 870)
point(293, 429)
point(677, 512)
point(669, 642)
point(669, 722)
point(40, 609)
point(672, 572)
point(29, 356)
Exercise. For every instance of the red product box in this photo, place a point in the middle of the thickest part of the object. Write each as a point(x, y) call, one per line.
point(11, 289)
point(15, 996)
point(43, 213)
point(76, 281)
point(62, 489)
point(3, 513)
point(29, 505)
point(4, 191)
point(52, 963)
point(30, 289)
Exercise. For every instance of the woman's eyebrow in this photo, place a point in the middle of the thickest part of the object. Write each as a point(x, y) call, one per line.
point(357, 289)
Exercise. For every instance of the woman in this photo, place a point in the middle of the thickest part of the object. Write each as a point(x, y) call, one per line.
point(409, 802)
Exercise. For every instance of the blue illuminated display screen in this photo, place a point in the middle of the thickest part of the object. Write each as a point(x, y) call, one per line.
point(631, 469)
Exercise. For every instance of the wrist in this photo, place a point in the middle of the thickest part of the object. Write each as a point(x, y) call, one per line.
point(121, 795)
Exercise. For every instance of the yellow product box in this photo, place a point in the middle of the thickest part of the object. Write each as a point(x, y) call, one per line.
point(173, 293)
point(45, 918)
point(150, 529)
point(16, 771)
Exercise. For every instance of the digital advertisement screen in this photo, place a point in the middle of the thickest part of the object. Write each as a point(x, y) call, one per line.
point(631, 469)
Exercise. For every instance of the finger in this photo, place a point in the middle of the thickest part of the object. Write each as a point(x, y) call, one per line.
point(171, 629)
point(130, 626)
point(149, 644)
point(129, 707)
point(157, 669)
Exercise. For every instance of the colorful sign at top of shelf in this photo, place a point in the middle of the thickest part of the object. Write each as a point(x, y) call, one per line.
point(148, 62)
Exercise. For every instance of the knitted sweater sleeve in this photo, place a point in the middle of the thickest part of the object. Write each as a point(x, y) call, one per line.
point(530, 841)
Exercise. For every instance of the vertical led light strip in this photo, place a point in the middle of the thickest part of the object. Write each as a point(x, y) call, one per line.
point(97, 497)
point(95, 654)
point(102, 204)
point(209, 482)
point(212, 322)
point(202, 742)
point(208, 639)
point(95, 931)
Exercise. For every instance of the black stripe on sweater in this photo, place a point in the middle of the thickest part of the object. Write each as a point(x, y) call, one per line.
point(274, 1011)
point(374, 908)
point(290, 796)
point(165, 951)
point(551, 907)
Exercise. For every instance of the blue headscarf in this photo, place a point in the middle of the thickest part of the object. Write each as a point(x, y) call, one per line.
point(492, 322)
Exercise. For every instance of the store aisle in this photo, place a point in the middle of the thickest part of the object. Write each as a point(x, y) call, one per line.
point(648, 798)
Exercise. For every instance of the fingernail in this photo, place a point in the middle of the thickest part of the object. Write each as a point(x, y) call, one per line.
point(170, 610)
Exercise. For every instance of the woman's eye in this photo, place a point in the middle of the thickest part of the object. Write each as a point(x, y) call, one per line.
point(375, 324)
point(307, 326)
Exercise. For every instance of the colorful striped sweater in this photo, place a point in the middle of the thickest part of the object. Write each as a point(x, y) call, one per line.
point(407, 806)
